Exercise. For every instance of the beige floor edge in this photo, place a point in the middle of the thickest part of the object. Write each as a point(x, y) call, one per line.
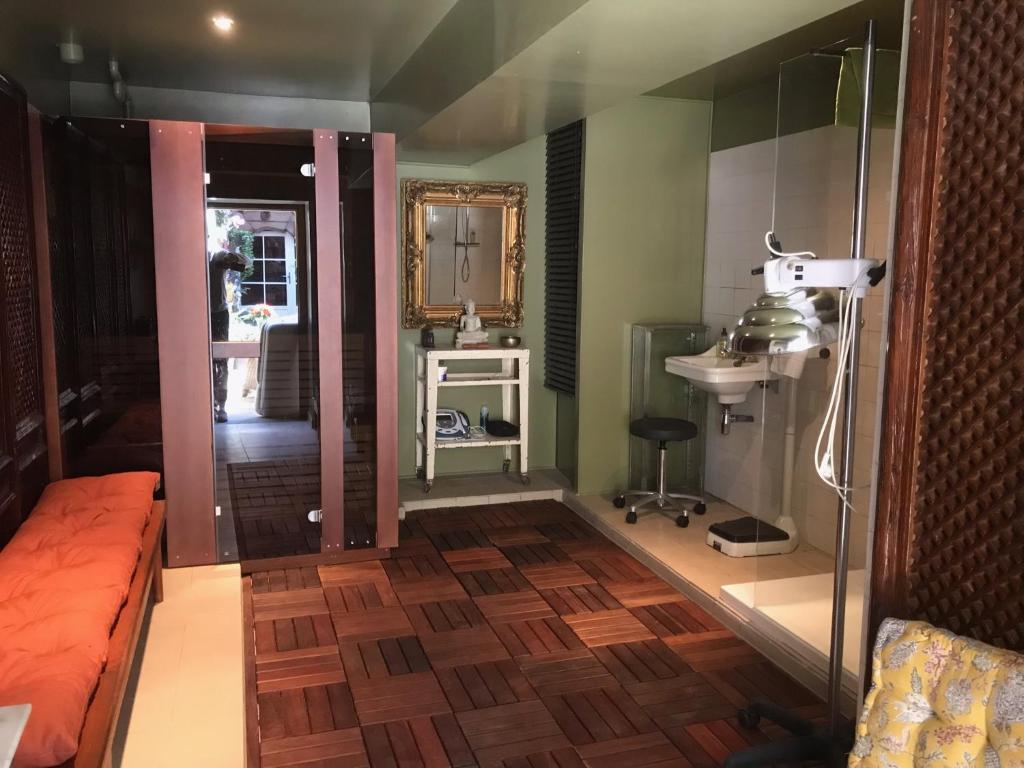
point(188, 708)
point(681, 557)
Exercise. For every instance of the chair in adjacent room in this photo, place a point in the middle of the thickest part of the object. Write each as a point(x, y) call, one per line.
point(665, 431)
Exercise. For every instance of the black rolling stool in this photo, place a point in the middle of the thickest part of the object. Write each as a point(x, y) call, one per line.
point(665, 431)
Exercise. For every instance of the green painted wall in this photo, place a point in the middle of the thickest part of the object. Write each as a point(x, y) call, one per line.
point(524, 163)
point(644, 211)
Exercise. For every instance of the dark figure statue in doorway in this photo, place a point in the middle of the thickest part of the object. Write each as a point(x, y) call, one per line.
point(220, 319)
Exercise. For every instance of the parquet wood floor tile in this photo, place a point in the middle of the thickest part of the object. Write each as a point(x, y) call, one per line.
point(648, 591)
point(513, 606)
point(453, 541)
point(517, 535)
point(478, 686)
point(289, 634)
point(478, 583)
point(599, 714)
point(561, 672)
point(581, 598)
point(566, 574)
point(681, 700)
point(398, 698)
point(534, 554)
point(431, 742)
point(510, 730)
point(279, 670)
point(557, 758)
point(387, 657)
point(537, 636)
point(485, 558)
point(271, 606)
point(681, 617)
point(349, 598)
point(463, 646)
point(429, 589)
point(445, 616)
point(404, 569)
point(614, 566)
point(608, 627)
point(506, 635)
point(641, 661)
point(373, 624)
point(343, 749)
point(642, 751)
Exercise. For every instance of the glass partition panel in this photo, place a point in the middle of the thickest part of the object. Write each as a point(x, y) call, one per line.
point(104, 293)
point(812, 210)
point(656, 392)
point(359, 372)
point(262, 308)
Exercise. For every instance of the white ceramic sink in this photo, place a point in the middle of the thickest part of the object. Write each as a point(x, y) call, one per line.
point(720, 375)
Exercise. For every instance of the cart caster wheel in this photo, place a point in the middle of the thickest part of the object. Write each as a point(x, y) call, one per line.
point(619, 502)
point(700, 508)
point(748, 718)
point(421, 473)
point(631, 517)
point(524, 479)
point(506, 465)
point(427, 486)
point(682, 521)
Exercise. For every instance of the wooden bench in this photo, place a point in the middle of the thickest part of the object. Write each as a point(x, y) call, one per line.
point(73, 571)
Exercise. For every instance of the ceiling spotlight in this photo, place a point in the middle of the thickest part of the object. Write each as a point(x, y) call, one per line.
point(223, 23)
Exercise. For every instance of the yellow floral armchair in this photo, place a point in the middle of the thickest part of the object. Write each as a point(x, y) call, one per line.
point(938, 699)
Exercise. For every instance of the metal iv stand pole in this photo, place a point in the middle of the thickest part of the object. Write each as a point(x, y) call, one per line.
point(808, 742)
point(835, 666)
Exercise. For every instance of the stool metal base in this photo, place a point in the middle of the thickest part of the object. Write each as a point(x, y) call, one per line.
point(660, 497)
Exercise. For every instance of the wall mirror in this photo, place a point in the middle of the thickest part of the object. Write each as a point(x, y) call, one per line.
point(461, 241)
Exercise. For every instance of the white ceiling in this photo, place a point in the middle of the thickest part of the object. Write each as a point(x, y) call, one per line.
point(604, 52)
point(324, 49)
point(457, 80)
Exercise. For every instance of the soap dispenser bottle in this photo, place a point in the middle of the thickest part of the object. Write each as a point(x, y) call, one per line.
point(722, 345)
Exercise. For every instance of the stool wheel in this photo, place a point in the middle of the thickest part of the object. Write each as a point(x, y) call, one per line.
point(631, 517)
point(700, 508)
point(748, 718)
point(682, 521)
point(619, 502)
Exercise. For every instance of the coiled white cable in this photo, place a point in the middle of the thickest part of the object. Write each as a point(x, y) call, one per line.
point(782, 254)
point(825, 447)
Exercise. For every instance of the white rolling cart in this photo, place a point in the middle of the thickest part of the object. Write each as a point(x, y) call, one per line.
point(514, 380)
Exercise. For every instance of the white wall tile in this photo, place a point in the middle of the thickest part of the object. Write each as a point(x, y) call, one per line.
point(812, 202)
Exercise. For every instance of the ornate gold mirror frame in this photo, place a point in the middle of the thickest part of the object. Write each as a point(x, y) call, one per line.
point(417, 195)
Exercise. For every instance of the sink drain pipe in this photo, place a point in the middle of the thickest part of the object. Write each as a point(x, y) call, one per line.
point(728, 417)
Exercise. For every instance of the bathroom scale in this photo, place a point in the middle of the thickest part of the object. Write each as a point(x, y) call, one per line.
point(747, 537)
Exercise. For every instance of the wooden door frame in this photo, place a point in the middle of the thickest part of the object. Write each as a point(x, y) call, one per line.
point(909, 275)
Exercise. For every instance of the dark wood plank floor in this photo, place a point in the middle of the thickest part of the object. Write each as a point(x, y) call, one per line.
point(511, 635)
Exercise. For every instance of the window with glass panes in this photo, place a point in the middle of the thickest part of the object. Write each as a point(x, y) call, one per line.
point(268, 283)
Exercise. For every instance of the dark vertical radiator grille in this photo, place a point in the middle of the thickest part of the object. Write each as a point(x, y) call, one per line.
point(562, 255)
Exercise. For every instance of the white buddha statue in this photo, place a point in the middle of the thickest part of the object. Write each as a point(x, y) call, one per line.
point(470, 328)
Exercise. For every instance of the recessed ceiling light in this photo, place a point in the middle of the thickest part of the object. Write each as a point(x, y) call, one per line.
point(223, 23)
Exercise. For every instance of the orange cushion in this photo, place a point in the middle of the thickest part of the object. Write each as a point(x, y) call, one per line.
point(63, 579)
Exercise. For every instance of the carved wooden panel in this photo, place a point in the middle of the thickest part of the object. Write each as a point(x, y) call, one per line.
point(950, 548)
point(22, 429)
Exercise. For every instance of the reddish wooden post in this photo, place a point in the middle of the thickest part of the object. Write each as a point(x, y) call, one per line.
point(183, 320)
point(385, 249)
point(329, 297)
point(47, 343)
